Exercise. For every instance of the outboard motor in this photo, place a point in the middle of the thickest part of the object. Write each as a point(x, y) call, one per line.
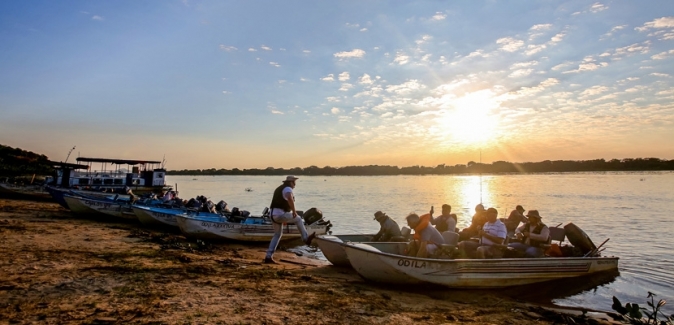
point(312, 215)
point(221, 207)
point(236, 215)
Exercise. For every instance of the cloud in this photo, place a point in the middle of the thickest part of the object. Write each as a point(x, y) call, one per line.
point(528, 91)
point(562, 66)
point(669, 92)
point(635, 48)
point(275, 64)
point(479, 53)
point(664, 22)
point(510, 44)
point(597, 7)
point(520, 73)
point(613, 30)
point(401, 58)
point(356, 25)
point(588, 66)
point(335, 110)
point(226, 92)
point(345, 86)
point(439, 16)
point(332, 99)
point(330, 77)
point(663, 55)
point(423, 39)
point(557, 38)
point(97, 17)
point(365, 79)
point(273, 111)
point(304, 79)
point(355, 53)
point(364, 29)
point(227, 48)
point(594, 90)
point(540, 27)
point(533, 49)
point(252, 49)
point(266, 48)
point(306, 51)
point(537, 30)
point(520, 65)
point(406, 87)
point(344, 76)
point(658, 74)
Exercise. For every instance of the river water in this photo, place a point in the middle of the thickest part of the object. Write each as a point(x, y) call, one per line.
point(633, 209)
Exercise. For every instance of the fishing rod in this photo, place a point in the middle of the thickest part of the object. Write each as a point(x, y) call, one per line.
point(69, 152)
point(480, 175)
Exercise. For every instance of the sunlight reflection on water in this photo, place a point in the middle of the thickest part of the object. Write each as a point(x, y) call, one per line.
point(633, 209)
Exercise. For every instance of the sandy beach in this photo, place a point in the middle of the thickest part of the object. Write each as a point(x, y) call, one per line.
point(58, 268)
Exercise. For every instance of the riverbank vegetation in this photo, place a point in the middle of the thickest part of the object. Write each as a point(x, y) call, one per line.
point(18, 162)
point(498, 167)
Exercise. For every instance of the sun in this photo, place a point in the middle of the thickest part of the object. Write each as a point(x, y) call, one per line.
point(469, 119)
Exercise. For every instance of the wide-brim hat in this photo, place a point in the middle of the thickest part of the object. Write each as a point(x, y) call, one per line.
point(379, 214)
point(533, 213)
point(290, 178)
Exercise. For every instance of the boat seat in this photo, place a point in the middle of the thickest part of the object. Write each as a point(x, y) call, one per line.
point(406, 232)
point(556, 234)
point(448, 249)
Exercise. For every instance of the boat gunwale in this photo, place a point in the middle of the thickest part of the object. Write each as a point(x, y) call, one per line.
point(487, 260)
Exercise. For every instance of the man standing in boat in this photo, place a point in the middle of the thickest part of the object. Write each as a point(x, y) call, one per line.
point(283, 211)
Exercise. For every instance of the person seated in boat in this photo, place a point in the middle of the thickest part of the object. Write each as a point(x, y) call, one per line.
point(479, 218)
point(389, 229)
point(170, 195)
point(514, 219)
point(531, 236)
point(446, 221)
point(427, 239)
point(491, 237)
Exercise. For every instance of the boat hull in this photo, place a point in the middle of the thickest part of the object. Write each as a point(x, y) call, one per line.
point(21, 192)
point(490, 273)
point(331, 246)
point(86, 206)
point(222, 229)
point(156, 217)
point(365, 260)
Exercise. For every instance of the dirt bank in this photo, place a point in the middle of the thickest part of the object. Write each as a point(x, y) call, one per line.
point(57, 268)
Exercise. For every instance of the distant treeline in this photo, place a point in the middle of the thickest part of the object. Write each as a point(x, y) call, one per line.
point(498, 167)
point(17, 162)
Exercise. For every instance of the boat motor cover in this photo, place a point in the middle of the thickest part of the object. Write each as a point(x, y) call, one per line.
point(578, 238)
point(312, 215)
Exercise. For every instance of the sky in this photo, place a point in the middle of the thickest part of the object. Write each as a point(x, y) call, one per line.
point(256, 84)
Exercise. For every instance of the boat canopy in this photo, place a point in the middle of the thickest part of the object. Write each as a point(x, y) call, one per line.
point(118, 161)
point(62, 165)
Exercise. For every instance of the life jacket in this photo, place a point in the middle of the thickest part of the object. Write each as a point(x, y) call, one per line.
point(278, 201)
point(537, 231)
point(442, 225)
point(424, 221)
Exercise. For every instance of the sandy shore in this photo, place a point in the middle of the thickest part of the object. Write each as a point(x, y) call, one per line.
point(58, 268)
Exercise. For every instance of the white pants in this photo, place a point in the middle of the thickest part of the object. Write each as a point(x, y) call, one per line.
point(278, 222)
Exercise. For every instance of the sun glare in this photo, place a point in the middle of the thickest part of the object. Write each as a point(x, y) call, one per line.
point(469, 120)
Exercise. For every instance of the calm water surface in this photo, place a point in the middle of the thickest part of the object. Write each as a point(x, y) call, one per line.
point(634, 210)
